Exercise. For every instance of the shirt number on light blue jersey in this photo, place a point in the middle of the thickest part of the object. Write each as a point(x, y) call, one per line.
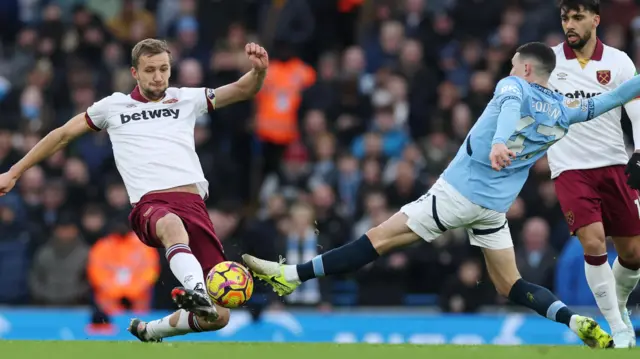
point(517, 144)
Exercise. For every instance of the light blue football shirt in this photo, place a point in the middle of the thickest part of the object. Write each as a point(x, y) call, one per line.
point(528, 118)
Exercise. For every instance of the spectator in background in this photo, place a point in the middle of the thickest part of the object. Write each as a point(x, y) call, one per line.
point(302, 245)
point(58, 274)
point(464, 293)
point(405, 188)
point(93, 223)
point(132, 24)
point(535, 258)
point(15, 243)
point(278, 103)
point(122, 270)
point(292, 177)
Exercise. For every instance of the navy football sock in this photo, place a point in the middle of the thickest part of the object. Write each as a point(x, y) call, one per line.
point(541, 300)
point(348, 258)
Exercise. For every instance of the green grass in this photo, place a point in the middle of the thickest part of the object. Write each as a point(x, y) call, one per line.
point(126, 350)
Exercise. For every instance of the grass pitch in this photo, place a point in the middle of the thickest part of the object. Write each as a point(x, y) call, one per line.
point(134, 350)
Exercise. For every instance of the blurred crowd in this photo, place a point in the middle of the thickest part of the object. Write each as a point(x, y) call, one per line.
point(365, 104)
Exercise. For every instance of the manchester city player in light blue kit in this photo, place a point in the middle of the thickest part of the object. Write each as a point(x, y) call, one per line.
point(521, 122)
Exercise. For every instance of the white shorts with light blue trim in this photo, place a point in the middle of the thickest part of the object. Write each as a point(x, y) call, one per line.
point(444, 208)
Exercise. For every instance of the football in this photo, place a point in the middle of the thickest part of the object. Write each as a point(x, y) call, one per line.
point(229, 284)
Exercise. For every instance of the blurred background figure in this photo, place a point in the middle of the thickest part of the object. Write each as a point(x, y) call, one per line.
point(122, 270)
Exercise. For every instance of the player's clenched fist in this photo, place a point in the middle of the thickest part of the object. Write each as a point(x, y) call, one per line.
point(7, 181)
point(258, 56)
point(500, 156)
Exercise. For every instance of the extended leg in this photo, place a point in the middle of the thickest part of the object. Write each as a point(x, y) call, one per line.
point(503, 271)
point(391, 234)
point(178, 323)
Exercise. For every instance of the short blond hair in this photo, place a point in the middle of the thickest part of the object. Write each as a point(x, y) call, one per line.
point(148, 47)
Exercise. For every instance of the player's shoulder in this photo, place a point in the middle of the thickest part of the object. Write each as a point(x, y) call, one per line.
point(512, 84)
point(189, 93)
point(112, 101)
point(612, 54)
point(558, 49)
point(115, 97)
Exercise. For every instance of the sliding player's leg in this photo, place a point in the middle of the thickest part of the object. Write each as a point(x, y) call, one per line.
point(284, 279)
point(426, 218)
point(178, 323)
point(497, 247)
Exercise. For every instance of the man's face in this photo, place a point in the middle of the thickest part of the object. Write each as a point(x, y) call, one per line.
point(153, 75)
point(579, 26)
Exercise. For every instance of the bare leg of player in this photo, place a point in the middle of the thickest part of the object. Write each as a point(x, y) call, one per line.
point(178, 323)
point(184, 265)
point(600, 276)
point(501, 265)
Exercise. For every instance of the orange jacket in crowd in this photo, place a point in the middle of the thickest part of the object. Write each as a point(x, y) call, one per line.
point(122, 267)
point(279, 99)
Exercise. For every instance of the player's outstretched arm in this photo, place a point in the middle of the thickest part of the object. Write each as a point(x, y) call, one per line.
point(249, 84)
point(607, 101)
point(50, 144)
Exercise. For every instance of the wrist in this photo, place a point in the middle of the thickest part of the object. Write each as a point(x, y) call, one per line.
point(15, 172)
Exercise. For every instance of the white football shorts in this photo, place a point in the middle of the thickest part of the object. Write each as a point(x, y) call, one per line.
point(444, 208)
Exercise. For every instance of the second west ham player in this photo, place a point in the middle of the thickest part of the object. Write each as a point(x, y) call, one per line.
point(588, 165)
point(151, 130)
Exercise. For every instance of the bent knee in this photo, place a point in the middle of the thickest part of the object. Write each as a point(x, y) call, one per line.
point(170, 230)
point(628, 249)
point(593, 240)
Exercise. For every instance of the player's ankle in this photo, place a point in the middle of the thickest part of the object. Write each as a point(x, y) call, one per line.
point(573, 323)
point(290, 273)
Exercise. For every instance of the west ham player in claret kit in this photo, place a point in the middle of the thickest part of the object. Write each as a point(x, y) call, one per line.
point(588, 165)
point(152, 133)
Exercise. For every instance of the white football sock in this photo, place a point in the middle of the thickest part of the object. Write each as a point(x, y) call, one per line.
point(626, 282)
point(160, 328)
point(573, 323)
point(185, 266)
point(187, 323)
point(602, 284)
point(291, 274)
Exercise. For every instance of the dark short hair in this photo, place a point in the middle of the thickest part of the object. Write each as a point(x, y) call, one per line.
point(148, 47)
point(588, 5)
point(542, 53)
